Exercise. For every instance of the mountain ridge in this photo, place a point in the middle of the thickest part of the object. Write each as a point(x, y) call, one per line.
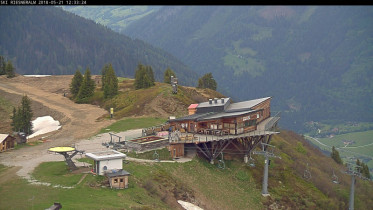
point(315, 59)
point(49, 40)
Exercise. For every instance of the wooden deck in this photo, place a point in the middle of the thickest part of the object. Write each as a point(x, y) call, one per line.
point(262, 130)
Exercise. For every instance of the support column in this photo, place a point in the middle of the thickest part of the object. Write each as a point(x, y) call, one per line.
point(265, 177)
point(352, 192)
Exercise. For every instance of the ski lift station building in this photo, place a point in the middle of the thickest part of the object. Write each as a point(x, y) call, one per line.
point(106, 161)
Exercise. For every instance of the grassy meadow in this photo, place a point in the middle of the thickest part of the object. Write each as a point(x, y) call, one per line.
point(362, 147)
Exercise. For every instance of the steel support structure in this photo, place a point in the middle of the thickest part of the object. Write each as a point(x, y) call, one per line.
point(212, 149)
point(68, 159)
point(267, 152)
point(352, 170)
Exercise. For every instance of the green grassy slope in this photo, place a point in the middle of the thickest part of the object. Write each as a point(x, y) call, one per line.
point(362, 146)
point(156, 101)
point(114, 17)
point(160, 185)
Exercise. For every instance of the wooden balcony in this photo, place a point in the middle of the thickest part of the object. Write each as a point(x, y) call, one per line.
point(207, 135)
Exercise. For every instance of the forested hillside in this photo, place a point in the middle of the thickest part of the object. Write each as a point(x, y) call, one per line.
point(49, 40)
point(316, 61)
point(114, 17)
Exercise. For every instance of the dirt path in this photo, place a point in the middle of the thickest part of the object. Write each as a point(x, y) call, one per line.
point(78, 121)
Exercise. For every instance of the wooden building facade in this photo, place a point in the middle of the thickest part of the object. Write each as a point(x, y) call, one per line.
point(176, 150)
point(6, 142)
point(118, 179)
point(220, 117)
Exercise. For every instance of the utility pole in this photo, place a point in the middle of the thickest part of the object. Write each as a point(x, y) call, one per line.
point(267, 152)
point(352, 170)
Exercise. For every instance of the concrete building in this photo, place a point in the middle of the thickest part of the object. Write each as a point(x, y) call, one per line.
point(106, 161)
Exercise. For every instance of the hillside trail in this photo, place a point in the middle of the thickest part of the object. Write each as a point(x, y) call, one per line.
point(79, 121)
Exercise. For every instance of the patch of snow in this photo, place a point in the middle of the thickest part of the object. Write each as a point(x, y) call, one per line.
point(36, 75)
point(45, 124)
point(189, 206)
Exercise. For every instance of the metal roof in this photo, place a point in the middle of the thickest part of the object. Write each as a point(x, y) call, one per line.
point(193, 106)
point(115, 173)
point(245, 105)
point(193, 116)
point(106, 155)
point(3, 137)
point(224, 115)
point(219, 103)
point(234, 109)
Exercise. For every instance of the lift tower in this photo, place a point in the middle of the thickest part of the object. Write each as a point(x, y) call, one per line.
point(352, 170)
point(267, 152)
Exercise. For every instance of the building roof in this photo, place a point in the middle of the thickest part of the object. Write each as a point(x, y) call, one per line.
point(192, 106)
point(115, 173)
point(219, 103)
point(193, 116)
point(3, 137)
point(224, 115)
point(105, 155)
point(245, 105)
point(232, 109)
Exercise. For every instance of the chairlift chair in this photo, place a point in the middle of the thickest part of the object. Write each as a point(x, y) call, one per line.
point(307, 173)
point(156, 156)
point(335, 178)
point(251, 161)
point(221, 163)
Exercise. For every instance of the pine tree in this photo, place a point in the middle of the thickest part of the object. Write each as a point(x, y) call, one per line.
point(16, 120)
point(150, 73)
point(26, 115)
point(207, 81)
point(21, 119)
point(111, 82)
point(144, 77)
point(364, 170)
point(335, 156)
point(87, 88)
point(76, 82)
point(2, 65)
point(9, 70)
point(103, 75)
point(167, 75)
point(139, 76)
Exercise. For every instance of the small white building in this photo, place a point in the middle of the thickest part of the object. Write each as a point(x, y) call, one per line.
point(106, 161)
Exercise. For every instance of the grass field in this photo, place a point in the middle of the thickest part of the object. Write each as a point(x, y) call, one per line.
point(133, 123)
point(362, 147)
point(87, 195)
point(149, 187)
point(6, 108)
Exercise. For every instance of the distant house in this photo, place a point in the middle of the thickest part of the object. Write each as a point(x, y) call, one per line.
point(97, 80)
point(106, 161)
point(118, 179)
point(6, 142)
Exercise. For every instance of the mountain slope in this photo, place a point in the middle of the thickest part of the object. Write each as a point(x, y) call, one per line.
point(114, 17)
point(159, 185)
point(49, 40)
point(315, 60)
